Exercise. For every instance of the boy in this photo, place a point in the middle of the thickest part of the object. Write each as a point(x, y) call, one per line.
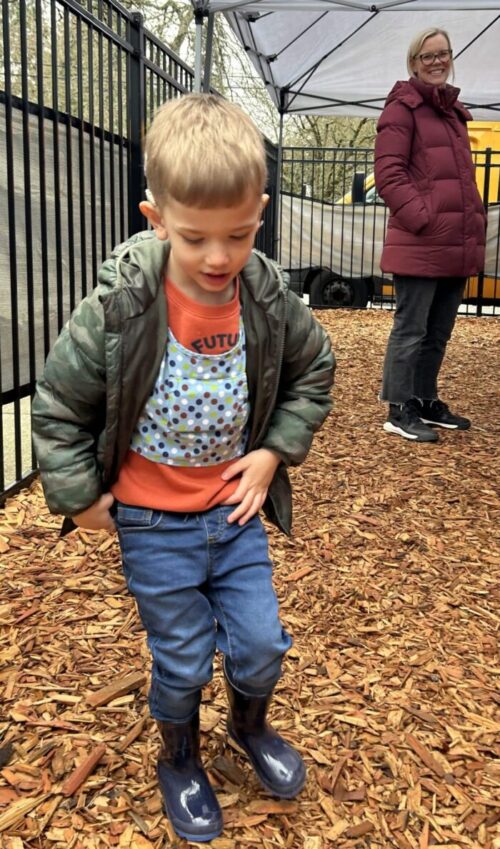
point(170, 407)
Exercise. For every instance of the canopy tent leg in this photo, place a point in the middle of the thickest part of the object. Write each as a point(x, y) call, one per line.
point(203, 83)
point(208, 52)
point(198, 19)
point(276, 218)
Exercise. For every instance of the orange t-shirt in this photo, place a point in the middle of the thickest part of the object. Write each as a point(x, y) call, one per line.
point(204, 328)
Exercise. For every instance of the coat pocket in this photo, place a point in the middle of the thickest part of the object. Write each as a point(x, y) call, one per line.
point(413, 216)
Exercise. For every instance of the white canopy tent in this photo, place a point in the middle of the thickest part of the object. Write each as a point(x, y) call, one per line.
point(342, 57)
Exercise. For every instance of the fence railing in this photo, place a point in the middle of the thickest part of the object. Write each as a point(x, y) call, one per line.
point(79, 83)
point(333, 223)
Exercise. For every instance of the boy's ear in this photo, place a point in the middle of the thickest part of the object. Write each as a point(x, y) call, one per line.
point(151, 212)
point(264, 200)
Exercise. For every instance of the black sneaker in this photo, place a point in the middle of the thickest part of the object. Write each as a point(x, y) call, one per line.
point(437, 413)
point(405, 420)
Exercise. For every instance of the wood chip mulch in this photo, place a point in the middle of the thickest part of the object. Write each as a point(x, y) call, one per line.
point(388, 587)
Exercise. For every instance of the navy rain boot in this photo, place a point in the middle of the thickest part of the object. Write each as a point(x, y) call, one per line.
point(190, 801)
point(278, 766)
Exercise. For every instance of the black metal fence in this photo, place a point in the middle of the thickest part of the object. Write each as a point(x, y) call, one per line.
point(332, 227)
point(79, 82)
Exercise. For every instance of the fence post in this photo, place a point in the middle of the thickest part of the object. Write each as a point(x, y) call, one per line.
point(486, 194)
point(135, 130)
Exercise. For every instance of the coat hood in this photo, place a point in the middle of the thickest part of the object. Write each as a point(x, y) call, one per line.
point(413, 92)
point(140, 262)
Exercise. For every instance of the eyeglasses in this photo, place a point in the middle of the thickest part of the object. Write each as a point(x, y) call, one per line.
point(429, 58)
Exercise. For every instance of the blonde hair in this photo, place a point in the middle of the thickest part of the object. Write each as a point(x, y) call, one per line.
point(417, 43)
point(204, 152)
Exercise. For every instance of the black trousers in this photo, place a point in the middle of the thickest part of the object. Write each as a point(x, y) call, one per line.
point(426, 309)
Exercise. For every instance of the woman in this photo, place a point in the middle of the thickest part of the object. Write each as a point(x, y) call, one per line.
point(436, 233)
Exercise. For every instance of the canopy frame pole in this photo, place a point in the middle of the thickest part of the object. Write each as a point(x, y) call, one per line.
point(208, 52)
point(277, 206)
point(198, 19)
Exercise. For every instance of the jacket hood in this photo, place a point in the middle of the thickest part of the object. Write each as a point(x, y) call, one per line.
point(140, 262)
point(142, 256)
point(263, 277)
point(413, 92)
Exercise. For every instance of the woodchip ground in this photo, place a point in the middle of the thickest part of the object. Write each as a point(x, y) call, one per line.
point(390, 589)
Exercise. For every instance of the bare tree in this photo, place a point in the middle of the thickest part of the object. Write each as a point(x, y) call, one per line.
point(331, 131)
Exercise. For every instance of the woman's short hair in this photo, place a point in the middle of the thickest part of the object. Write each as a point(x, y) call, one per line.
point(204, 152)
point(416, 47)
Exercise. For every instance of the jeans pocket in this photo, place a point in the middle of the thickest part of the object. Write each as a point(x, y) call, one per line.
point(130, 518)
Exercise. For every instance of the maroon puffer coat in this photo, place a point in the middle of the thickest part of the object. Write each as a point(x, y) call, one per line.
point(425, 174)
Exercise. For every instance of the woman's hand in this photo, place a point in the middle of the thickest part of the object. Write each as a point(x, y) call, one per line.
point(97, 517)
point(257, 471)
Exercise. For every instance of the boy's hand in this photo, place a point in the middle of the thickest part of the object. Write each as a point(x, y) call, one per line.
point(257, 471)
point(97, 517)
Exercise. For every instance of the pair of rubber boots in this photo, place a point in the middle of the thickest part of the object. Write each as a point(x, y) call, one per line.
point(190, 801)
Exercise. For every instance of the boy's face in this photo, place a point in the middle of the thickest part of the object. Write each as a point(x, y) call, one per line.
point(209, 247)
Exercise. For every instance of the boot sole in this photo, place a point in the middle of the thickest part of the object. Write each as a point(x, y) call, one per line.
point(398, 431)
point(291, 793)
point(447, 426)
point(196, 838)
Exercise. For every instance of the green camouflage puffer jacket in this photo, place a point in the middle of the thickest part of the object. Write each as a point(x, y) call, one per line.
point(104, 364)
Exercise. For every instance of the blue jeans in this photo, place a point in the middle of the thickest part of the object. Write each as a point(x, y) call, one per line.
point(426, 309)
point(201, 584)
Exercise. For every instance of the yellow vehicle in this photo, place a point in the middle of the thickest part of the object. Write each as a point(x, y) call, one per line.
point(483, 135)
